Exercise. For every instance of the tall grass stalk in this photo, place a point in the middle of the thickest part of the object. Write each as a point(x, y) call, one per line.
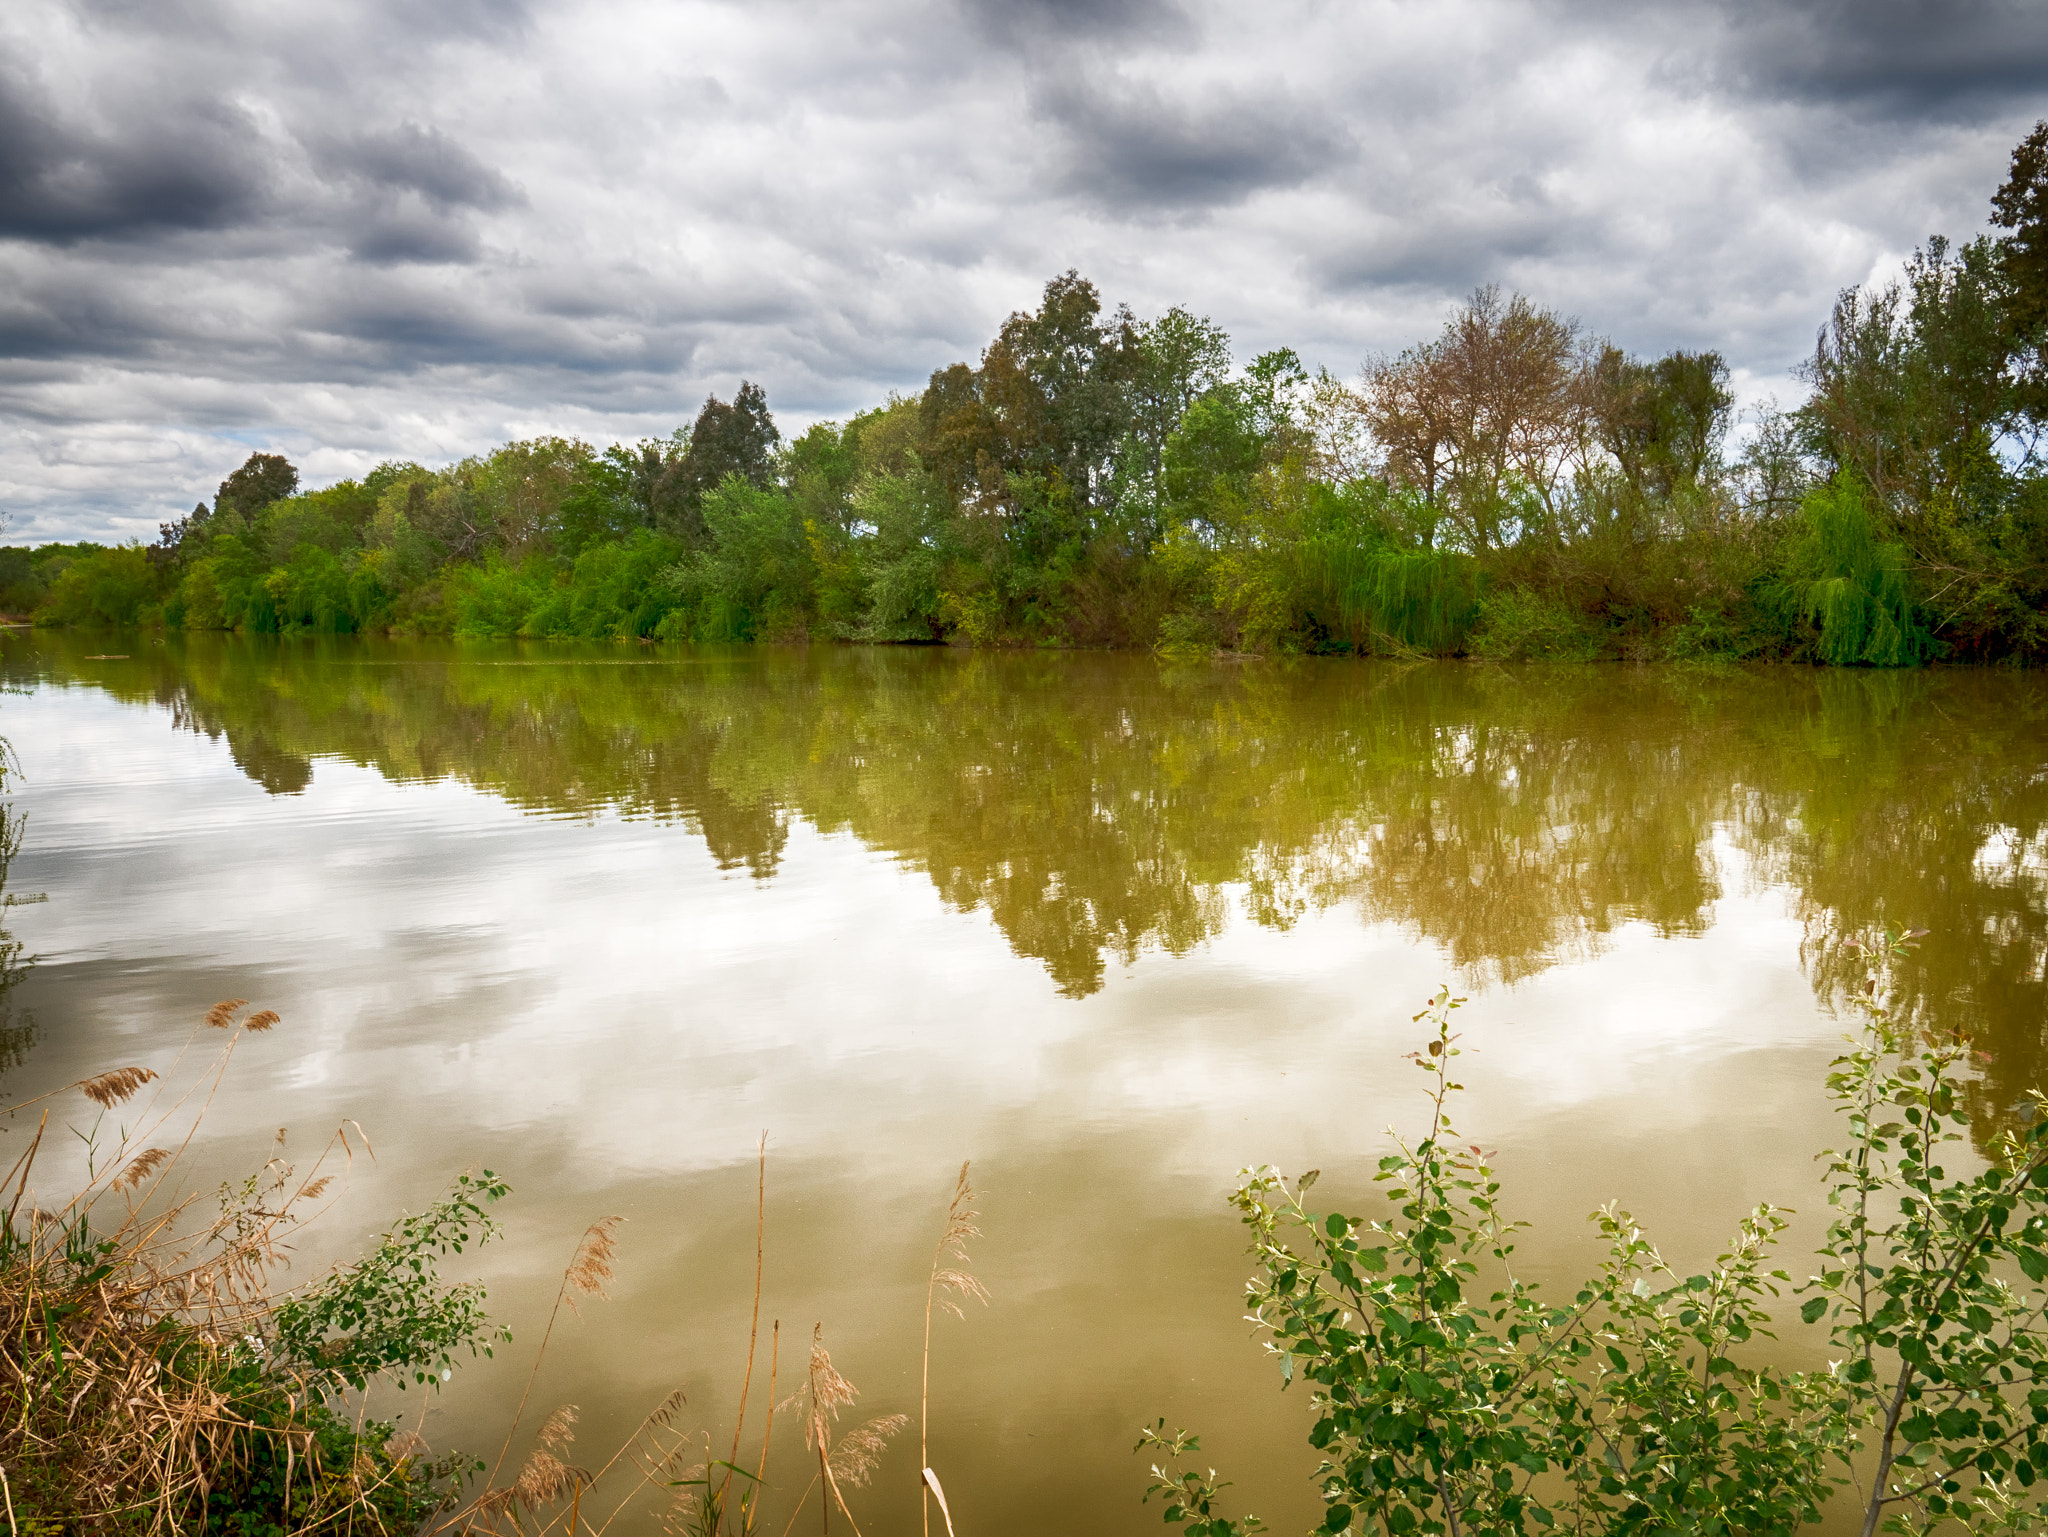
point(949, 1283)
point(714, 1496)
point(754, 1322)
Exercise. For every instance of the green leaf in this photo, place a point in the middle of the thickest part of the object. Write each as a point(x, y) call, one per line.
point(1810, 1311)
point(1620, 1361)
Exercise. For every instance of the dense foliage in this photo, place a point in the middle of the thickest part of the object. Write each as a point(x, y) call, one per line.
point(1511, 488)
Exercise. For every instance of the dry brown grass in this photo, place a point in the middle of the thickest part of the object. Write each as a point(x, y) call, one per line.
point(131, 1395)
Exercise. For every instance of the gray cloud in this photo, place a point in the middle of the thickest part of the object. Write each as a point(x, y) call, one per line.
point(180, 165)
point(1060, 25)
point(1131, 144)
point(1959, 60)
point(369, 228)
point(410, 158)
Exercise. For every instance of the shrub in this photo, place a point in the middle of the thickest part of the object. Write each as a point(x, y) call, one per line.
point(1450, 1398)
point(1422, 600)
point(615, 589)
point(312, 593)
point(496, 598)
point(150, 1380)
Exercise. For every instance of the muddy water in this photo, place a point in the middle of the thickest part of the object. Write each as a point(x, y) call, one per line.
point(1110, 928)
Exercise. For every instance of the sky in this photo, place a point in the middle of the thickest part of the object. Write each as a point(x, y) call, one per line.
point(374, 229)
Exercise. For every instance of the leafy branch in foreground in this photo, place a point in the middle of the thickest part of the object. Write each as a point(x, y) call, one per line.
point(1933, 1289)
point(391, 1314)
point(1450, 1398)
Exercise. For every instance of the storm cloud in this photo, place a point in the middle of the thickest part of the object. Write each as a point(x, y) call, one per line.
point(367, 229)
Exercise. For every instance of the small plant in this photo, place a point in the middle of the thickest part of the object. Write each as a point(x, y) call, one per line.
point(1451, 1398)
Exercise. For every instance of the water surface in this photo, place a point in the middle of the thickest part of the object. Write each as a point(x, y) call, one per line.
point(1109, 927)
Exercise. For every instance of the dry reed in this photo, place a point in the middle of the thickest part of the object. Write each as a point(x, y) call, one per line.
point(134, 1392)
point(710, 1495)
point(949, 1284)
point(134, 1378)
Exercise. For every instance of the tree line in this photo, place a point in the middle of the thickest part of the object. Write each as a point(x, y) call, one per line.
point(1511, 487)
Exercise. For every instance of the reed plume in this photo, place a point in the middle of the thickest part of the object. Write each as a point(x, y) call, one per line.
point(588, 1273)
point(560, 1429)
point(950, 1284)
point(544, 1479)
point(141, 1166)
point(857, 1453)
point(590, 1270)
point(829, 1393)
point(110, 1089)
point(222, 1014)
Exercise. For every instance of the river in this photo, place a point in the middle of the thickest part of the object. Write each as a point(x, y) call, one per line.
point(1109, 927)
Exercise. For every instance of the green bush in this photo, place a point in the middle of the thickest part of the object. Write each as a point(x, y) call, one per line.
point(496, 598)
point(1424, 600)
point(312, 593)
point(614, 589)
point(1449, 1397)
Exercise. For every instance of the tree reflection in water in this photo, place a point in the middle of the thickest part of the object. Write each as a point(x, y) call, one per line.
point(1098, 806)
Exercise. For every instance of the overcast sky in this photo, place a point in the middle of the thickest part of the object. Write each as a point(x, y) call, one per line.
point(366, 229)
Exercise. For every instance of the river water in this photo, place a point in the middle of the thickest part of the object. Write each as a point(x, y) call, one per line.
point(1111, 928)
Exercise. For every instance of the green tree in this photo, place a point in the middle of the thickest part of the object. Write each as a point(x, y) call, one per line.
point(1664, 421)
point(727, 439)
point(120, 586)
point(1912, 386)
point(1173, 361)
point(262, 479)
point(2021, 206)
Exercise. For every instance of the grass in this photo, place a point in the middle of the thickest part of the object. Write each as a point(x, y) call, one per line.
point(139, 1387)
point(156, 1377)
